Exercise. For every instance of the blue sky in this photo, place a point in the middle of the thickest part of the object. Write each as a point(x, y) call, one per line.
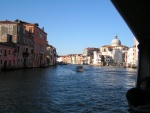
point(71, 25)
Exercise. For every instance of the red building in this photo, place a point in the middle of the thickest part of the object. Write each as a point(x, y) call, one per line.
point(40, 43)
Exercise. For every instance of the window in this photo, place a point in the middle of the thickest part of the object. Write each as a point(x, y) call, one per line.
point(10, 27)
point(9, 38)
point(31, 51)
point(40, 34)
point(26, 50)
point(9, 52)
point(30, 30)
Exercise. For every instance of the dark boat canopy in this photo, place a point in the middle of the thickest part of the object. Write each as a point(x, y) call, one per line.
point(136, 14)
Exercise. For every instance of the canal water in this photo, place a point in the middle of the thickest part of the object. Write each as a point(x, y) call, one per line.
point(63, 90)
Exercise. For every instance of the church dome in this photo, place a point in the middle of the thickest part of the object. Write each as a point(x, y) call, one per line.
point(115, 41)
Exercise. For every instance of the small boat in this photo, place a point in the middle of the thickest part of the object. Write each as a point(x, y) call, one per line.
point(79, 68)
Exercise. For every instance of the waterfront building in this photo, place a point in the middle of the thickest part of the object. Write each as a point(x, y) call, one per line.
point(28, 49)
point(60, 59)
point(73, 59)
point(7, 56)
point(125, 56)
point(132, 55)
point(66, 59)
point(79, 59)
point(54, 56)
point(29, 45)
point(108, 60)
point(14, 31)
point(98, 58)
point(70, 59)
point(136, 43)
point(115, 51)
point(40, 43)
point(118, 56)
point(51, 55)
point(88, 55)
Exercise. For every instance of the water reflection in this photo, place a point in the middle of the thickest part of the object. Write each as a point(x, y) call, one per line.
point(63, 90)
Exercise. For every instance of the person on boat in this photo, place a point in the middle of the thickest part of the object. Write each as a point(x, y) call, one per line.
point(139, 96)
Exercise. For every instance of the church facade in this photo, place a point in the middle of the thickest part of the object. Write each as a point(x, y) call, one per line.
point(114, 53)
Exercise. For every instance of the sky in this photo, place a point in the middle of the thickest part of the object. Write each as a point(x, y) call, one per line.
point(71, 25)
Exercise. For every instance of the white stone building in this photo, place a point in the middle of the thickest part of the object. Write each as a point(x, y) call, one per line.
point(97, 58)
point(114, 51)
point(132, 55)
point(88, 55)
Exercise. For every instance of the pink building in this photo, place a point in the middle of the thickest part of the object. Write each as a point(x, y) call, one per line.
point(29, 44)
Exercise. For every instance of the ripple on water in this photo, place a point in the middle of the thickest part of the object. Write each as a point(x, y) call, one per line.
point(63, 90)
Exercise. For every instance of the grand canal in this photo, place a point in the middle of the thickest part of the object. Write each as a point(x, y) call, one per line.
point(63, 90)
